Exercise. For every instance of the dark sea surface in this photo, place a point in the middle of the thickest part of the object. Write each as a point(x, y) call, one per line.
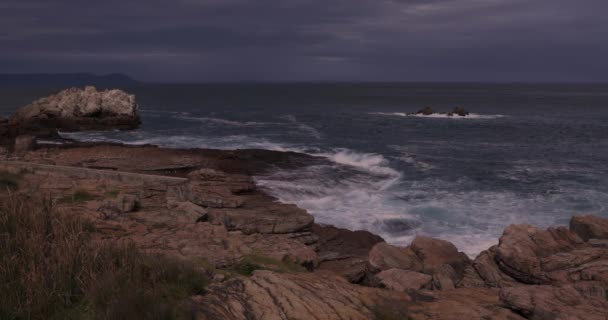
point(528, 153)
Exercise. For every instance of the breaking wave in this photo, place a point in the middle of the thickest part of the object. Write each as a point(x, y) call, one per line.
point(440, 115)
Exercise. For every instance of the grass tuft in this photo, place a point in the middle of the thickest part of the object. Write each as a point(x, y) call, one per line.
point(250, 263)
point(78, 197)
point(52, 268)
point(9, 181)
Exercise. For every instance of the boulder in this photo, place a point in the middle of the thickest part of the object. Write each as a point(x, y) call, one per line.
point(549, 302)
point(486, 267)
point(435, 253)
point(426, 111)
point(589, 227)
point(77, 109)
point(190, 212)
point(522, 247)
point(403, 280)
point(344, 252)
point(384, 256)
point(123, 203)
point(24, 143)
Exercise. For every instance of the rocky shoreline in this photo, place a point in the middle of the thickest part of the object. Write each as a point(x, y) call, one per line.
point(270, 260)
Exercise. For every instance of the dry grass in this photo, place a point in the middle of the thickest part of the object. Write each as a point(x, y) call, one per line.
point(50, 268)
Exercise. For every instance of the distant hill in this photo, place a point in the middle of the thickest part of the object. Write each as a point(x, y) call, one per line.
point(64, 79)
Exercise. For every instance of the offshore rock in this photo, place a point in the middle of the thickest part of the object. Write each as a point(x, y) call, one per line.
point(77, 109)
point(427, 111)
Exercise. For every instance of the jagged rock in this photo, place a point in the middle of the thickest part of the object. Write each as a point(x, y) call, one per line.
point(123, 203)
point(24, 143)
point(270, 295)
point(470, 279)
point(425, 111)
point(343, 251)
point(77, 109)
point(445, 278)
point(589, 227)
point(465, 303)
point(434, 253)
point(488, 270)
point(522, 247)
point(272, 218)
point(403, 280)
point(191, 212)
point(549, 302)
point(384, 256)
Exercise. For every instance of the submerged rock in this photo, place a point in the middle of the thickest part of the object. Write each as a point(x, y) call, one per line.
point(459, 112)
point(77, 109)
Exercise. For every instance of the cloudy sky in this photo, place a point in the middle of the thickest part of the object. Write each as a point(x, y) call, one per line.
point(293, 40)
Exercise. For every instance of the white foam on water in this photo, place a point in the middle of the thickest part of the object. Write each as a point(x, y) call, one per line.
point(361, 191)
point(177, 141)
point(441, 115)
point(302, 126)
point(353, 191)
point(226, 121)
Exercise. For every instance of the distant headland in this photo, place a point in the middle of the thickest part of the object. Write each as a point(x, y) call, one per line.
point(64, 79)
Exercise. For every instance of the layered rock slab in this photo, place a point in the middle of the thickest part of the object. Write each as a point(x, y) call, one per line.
point(268, 295)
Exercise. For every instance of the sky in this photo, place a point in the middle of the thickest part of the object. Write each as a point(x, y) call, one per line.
point(309, 40)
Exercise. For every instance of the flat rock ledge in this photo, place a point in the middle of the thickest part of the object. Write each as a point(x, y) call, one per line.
point(203, 206)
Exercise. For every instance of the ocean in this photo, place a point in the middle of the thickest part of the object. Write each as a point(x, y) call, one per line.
point(528, 153)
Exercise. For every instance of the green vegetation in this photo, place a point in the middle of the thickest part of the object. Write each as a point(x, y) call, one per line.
point(51, 268)
point(9, 181)
point(112, 193)
point(253, 262)
point(78, 197)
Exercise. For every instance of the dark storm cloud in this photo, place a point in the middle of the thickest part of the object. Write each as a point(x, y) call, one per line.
point(530, 40)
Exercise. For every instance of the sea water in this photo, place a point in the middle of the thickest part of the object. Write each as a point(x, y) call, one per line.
point(527, 153)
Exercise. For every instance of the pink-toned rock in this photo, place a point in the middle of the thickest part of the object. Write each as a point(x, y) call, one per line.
point(384, 256)
point(521, 248)
point(589, 227)
point(488, 270)
point(434, 253)
point(549, 302)
point(403, 280)
point(459, 304)
point(24, 143)
point(344, 252)
point(270, 295)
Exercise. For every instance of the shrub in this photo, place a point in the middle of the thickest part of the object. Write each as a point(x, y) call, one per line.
point(9, 181)
point(80, 196)
point(52, 268)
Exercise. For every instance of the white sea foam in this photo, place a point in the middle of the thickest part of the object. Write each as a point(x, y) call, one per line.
point(226, 121)
point(440, 115)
